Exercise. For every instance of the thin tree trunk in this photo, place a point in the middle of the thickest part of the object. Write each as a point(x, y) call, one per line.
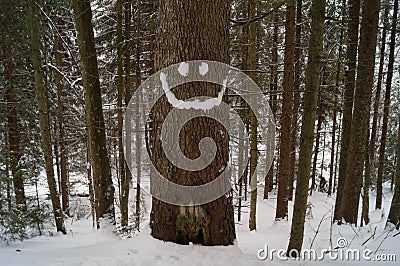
point(138, 148)
point(253, 174)
point(307, 127)
point(247, 166)
point(103, 185)
point(358, 136)
point(316, 152)
point(90, 184)
point(120, 88)
point(8, 181)
point(392, 181)
point(59, 60)
point(337, 158)
point(245, 65)
point(371, 149)
point(354, 13)
point(394, 213)
point(386, 109)
point(56, 156)
point(296, 99)
point(14, 149)
point(287, 108)
point(44, 119)
point(273, 95)
point(127, 176)
point(253, 120)
point(323, 159)
point(366, 186)
point(335, 107)
point(241, 168)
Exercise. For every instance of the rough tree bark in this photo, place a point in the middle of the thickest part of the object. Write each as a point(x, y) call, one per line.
point(138, 81)
point(386, 108)
point(317, 141)
point(370, 160)
point(354, 13)
point(241, 172)
point(120, 96)
point(103, 186)
point(13, 134)
point(287, 107)
point(190, 30)
point(252, 44)
point(7, 174)
point(335, 110)
point(394, 213)
point(44, 119)
point(359, 127)
point(296, 99)
point(126, 174)
point(59, 60)
point(269, 183)
point(307, 128)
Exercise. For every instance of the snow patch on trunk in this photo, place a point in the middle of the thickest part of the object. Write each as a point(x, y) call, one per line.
point(191, 104)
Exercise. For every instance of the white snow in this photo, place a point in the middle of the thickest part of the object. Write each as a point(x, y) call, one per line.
point(183, 69)
point(203, 68)
point(86, 246)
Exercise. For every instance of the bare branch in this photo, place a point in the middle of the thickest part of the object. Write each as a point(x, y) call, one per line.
point(264, 15)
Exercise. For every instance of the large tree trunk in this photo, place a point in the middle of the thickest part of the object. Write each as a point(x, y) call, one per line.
point(394, 213)
point(103, 186)
point(190, 30)
point(354, 13)
point(44, 113)
point(386, 107)
point(287, 107)
point(358, 137)
point(307, 128)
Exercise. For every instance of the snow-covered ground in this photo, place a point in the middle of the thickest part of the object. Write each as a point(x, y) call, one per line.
point(86, 246)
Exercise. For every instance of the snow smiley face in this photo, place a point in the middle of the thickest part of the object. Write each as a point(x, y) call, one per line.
point(161, 83)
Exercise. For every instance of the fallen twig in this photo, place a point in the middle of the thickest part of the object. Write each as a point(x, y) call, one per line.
point(319, 226)
point(369, 238)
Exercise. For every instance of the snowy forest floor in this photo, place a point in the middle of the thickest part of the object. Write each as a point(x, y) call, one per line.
point(85, 246)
